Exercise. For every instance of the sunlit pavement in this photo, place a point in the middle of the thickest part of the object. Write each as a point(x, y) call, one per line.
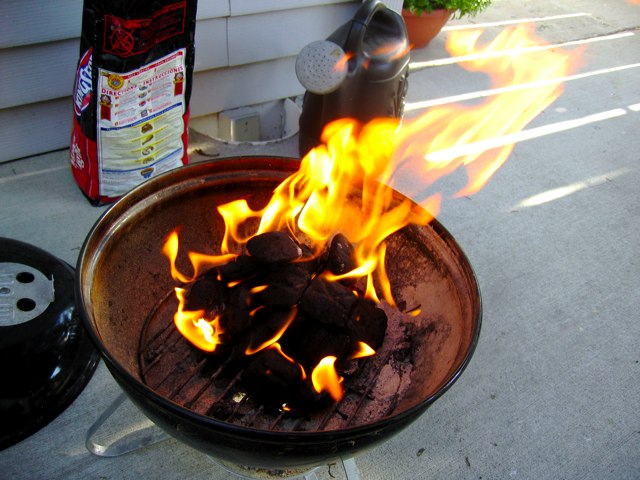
point(552, 391)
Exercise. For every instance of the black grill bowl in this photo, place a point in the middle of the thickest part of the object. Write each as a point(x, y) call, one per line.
point(122, 275)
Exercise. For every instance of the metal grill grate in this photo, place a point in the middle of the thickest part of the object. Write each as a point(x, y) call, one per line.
point(210, 385)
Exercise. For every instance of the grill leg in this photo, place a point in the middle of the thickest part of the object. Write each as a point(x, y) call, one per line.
point(129, 441)
point(350, 468)
point(120, 440)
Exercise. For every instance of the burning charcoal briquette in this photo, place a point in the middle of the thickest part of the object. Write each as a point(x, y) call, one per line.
point(309, 260)
point(328, 302)
point(271, 378)
point(236, 319)
point(309, 342)
point(206, 294)
point(340, 259)
point(369, 323)
point(281, 286)
point(267, 323)
point(274, 247)
point(241, 268)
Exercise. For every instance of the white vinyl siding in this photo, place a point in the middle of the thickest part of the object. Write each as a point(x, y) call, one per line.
point(245, 53)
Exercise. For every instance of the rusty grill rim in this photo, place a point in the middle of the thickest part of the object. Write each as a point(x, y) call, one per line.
point(160, 188)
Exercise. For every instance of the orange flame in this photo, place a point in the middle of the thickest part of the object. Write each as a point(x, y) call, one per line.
point(340, 187)
point(202, 333)
point(276, 346)
point(325, 378)
point(346, 184)
point(170, 249)
point(393, 50)
point(283, 328)
point(364, 350)
point(199, 261)
point(343, 62)
point(449, 137)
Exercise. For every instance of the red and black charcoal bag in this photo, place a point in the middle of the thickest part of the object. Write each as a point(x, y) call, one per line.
point(131, 93)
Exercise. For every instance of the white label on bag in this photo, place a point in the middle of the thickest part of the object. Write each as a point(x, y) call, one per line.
point(140, 123)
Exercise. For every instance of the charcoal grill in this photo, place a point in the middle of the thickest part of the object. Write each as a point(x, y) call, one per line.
point(125, 295)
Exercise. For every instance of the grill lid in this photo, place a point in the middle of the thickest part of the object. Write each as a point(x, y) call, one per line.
point(46, 358)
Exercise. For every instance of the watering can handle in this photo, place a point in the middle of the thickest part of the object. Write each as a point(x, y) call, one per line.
point(359, 24)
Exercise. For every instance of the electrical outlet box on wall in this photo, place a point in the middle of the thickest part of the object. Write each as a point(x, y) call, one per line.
point(239, 125)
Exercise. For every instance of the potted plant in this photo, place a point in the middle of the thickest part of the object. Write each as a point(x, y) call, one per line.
point(425, 18)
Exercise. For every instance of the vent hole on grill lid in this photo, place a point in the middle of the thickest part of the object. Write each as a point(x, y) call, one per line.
point(25, 304)
point(25, 277)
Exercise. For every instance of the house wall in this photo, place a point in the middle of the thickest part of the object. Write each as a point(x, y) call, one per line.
point(245, 54)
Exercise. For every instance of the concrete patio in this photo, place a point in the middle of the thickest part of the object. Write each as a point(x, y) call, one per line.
point(553, 390)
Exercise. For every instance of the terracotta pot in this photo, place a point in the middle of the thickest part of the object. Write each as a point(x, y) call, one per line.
point(423, 28)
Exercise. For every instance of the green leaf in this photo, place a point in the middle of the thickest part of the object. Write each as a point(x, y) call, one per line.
point(458, 7)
